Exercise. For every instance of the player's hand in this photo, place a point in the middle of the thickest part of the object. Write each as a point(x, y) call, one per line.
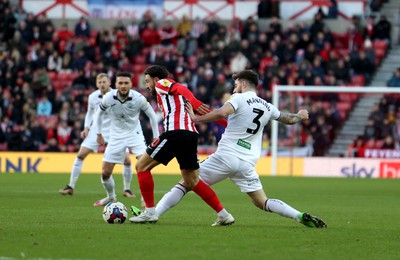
point(100, 139)
point(203, 109)
point(189, 110)
point(84, 133)
point(303, 114)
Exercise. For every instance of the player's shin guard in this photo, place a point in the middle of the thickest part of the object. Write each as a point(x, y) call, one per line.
point(208, 195)
point(146, 185)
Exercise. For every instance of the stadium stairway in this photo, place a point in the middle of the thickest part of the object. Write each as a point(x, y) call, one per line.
point(358, 116)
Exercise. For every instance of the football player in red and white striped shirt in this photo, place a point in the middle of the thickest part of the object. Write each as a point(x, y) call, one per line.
point(179, 141)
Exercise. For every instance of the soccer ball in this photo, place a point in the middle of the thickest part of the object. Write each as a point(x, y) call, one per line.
point(115, 212)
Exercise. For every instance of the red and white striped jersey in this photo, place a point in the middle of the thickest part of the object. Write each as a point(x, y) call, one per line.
point(171, 100)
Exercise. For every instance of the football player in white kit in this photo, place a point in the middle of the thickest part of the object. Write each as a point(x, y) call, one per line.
point(89, 144)
point(123, 105)
point(240, 147)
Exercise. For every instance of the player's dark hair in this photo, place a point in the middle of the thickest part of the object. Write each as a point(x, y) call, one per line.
point(124, 74)
point(248, 75)
point(157, 71)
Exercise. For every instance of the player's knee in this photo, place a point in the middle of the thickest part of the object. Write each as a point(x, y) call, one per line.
point(105, 176)
point(127, 161)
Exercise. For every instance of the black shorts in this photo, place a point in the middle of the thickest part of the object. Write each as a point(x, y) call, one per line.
point(181, 144)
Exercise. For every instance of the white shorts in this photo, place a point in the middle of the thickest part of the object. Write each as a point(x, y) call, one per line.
point(91, 140)
point(217, 168)
point(116, 148)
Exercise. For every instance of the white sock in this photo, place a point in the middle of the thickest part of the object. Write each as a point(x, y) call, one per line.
point(223, 213)
point(170, 199)
point(151, 210)
point(109, 186)
point(75, 172)
point(283, 209)
point(127, 175)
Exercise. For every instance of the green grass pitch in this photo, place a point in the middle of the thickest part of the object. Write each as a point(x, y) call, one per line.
point(363, 218)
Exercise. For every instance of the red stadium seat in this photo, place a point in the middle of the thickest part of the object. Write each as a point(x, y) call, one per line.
point(358, 80)
point(379, 144)
point(141, 59)
point(52, 75)
point(139, 68)
point(3, 147)
point(380, 44)
point(379, 53)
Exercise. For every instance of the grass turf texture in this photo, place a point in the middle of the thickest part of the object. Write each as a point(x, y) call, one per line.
point(362, 217)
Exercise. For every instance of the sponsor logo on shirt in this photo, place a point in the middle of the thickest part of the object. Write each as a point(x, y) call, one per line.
point(244, 144)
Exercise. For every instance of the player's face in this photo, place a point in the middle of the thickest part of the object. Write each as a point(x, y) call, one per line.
point(103, 84)
point(238, 87)
point(150, 84)
point(123, 84)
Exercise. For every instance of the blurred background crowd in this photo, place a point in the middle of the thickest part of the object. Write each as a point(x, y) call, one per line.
point(47, 72)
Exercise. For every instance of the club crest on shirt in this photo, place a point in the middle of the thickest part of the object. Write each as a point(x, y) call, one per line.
point(166, 83)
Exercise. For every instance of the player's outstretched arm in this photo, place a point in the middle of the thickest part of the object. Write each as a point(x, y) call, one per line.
point(197, 105)
point(291, 119)
point(215, 115)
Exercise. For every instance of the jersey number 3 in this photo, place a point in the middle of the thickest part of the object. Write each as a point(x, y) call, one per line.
point(256, 121)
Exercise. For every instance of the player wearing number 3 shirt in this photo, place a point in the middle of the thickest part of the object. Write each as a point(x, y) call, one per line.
point(240, 147)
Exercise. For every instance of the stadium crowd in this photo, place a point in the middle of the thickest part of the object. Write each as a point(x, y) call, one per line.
point(46, 73)
point(382, 130)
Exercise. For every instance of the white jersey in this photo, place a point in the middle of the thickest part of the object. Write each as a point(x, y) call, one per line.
point(125, 114)
point(243, 135)
point(93, 105)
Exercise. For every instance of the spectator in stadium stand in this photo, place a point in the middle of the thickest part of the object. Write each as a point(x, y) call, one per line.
point(64, 33)
point(353, 38)
point(44, 107)
point(377, 114)
point(168, 34)
point(52, 145)
point(363, 66)
point(357, 149)
point(150, 35)
point(383, 29)
point(369, 28)
point(369, 50)
point(54, 62)
point(317, 25)
point(388, 142)
point(333, 10)
point(341, 71)
point(184, 26)
point(264, 9)
point(146, 19)
point(198, 27)
point(370, 130)
point(82, 28)
point(385, 129)
point(394, 81)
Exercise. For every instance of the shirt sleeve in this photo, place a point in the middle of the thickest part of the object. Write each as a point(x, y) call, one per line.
point(275, 113)
point(90, 113)
point(100, 113)
point(149, 111)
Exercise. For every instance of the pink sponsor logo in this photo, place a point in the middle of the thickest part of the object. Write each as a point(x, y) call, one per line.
point(389, 170)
